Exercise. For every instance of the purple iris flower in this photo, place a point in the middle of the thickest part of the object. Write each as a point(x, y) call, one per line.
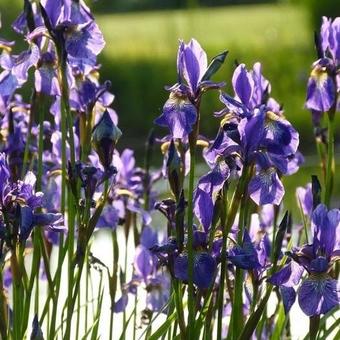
point(255, 132)
point(205, 263)
point(319, 292)
point(321, 87)
point(204, 269)
point(29, 219)
point(323, 84)
point(143, 262)
point(71, 24)
point(244, 256)
point(330, 38)
point(60, 11)
point(251, 90)
point(15, 73)
point(180, 111)
point(22, 194)
point(83, 43)
point(146, 274)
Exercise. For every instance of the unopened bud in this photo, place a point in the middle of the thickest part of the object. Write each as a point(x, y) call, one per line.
point(105, 136)
point(175, 168)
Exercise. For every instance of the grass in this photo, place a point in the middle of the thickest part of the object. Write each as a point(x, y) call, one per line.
point(140, 58)
point(155, 34)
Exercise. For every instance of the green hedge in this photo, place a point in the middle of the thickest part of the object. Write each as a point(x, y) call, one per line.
point(105, 6)
point(319, 8)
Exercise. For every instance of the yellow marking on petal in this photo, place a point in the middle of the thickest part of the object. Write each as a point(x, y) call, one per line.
point(6, 48)
point(165, 147)
point(55, 173)
point(227, 118)
point(218, 234)
point(203, 143)
point(319, 74)
point(272, 116)
point(20, 109)
point(125, 192)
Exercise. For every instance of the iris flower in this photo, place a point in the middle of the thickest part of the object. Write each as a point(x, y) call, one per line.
point(319, 292)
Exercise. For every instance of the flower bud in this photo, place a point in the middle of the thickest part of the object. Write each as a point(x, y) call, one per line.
point(105, 135)
point(175, 168)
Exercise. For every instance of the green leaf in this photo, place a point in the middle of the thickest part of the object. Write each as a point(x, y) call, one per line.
point(215, 65)
point(280, 324)
point(316, 191)
point(253, 320)
point(327, 333)
point(126, 325)
point(323, 321)
point(164, 327)
point(284, 225)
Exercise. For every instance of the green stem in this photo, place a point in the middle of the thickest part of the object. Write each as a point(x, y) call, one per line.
point(72, 300)
point(254, 317)
point(113, 279)
point(240, 198)
point(56, 288)
point(18, 293)
point(124, 276)
point(314, 322)
point(322, 156)
point(179, 307)
point(3, 310)
point(87, 273)
point(330, 159)
point(191, 301)
point(78, 317)
point(220, 301)
point(33, 110)
point(33, 276)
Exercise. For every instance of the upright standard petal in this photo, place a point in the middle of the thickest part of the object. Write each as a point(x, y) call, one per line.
point(325, 225)
point(261, 87)
point(243, 84)
point(192, 63)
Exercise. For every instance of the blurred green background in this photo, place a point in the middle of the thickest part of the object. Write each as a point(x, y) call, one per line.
point(141, 46)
